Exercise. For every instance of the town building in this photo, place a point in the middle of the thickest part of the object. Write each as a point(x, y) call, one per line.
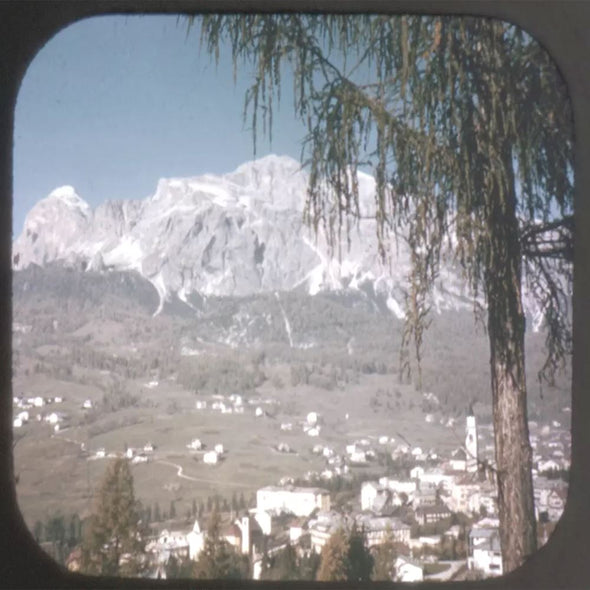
point(484, 553)
point(299, 501)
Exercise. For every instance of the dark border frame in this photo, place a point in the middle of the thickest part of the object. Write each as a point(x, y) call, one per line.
point(561, 26)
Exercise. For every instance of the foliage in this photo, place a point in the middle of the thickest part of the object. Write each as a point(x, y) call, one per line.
point(429, 104)
point(346, 557)
point(218, 560)
point(113, 541)
point(334, 558)
point(283, 566)
point(466, 125)
point(178, 568)
point(385, 555)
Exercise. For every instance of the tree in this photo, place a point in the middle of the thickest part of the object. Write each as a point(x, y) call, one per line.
point(360, 560)
point(334, 558)
point(55, 532)
point(113, 543)
point(283, 566)
point(385, 555)
point(467, 127)
point(309, 565)
point(218, 559)
point(345, 557)
point(178, 568)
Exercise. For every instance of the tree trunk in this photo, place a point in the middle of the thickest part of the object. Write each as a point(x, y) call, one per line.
point(506, 327)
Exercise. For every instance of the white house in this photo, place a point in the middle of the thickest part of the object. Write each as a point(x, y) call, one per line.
point(218, 449)
point(101, 453)
point(87, 405)
point(379, 528)
point(195, 445)
point(295, 500)
point(17, 423)
point(408, 570)
point(210, 458)
point(358, 457)
point(315, 431)
point(53, 418)
point(484, 552)
point(369, 492)
point(548, 465)
point(312, 418)
point(458, 460)
point(167, 544)
point(406, 486)
point(324, 526)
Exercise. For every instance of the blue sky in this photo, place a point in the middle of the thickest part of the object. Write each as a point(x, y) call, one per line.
point(112, 104)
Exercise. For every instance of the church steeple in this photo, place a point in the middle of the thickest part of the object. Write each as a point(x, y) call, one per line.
point(471, 441)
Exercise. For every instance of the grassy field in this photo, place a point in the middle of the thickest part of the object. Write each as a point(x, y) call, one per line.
point(55, 474)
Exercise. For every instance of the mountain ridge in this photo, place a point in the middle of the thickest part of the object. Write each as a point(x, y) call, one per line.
point(234, 234)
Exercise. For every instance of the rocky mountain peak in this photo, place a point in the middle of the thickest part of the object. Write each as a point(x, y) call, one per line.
point(235, 234)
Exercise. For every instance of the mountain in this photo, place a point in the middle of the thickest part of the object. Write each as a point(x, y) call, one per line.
point(237, 234)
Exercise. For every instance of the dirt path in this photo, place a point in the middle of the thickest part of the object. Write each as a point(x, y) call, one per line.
point(180, 473)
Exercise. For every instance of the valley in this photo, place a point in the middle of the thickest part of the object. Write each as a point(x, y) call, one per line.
point(91, 339)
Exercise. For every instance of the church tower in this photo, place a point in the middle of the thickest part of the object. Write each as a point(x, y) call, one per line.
point(471, 442)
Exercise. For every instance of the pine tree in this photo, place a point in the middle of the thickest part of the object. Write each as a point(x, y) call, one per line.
point(360, 560)
point(218, 559)
point(113, 542)
point(467, 127)
point(334, 558)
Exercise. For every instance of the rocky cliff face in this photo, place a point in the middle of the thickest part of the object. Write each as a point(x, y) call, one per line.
point(237, 234)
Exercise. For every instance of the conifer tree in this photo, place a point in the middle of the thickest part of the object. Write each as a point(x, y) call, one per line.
point(218, 560)
point(360, 560)
point(346, 557)
point(334, 558)
point(113, 543)
point(467, 128)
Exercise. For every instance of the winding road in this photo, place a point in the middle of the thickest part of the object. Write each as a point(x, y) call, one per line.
point(180, 469)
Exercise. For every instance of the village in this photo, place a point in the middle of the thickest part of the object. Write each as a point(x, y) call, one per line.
point(438, 508)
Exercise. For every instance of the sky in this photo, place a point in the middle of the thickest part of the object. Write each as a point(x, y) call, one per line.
point(111, 104)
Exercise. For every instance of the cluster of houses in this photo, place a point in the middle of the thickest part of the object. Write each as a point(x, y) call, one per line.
point(233, 404)
point(211, 457)
point(24, 408)
point(387, 508)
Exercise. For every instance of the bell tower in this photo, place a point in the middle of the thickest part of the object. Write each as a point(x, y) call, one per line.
point(471, 441)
